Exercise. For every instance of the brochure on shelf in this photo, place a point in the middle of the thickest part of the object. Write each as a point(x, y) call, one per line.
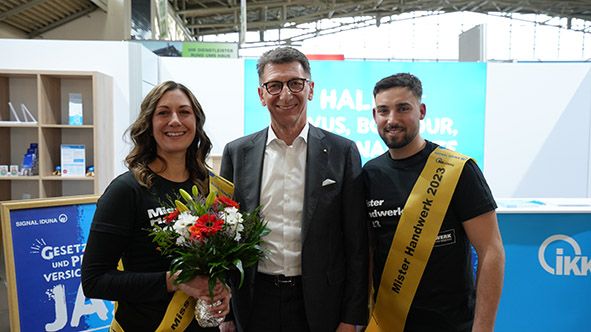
point(75, 109)
point(30, 163)
point(73, 157)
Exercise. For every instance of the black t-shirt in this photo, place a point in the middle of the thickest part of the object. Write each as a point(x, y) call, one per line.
point(124, 215)
point(445, 297)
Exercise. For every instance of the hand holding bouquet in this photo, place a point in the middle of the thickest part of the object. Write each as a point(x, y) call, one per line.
point(209, 237)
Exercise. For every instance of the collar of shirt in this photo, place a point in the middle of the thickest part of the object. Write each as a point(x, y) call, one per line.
point(272, 137)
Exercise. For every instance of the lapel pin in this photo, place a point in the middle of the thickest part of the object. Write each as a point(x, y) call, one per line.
point(324, 150)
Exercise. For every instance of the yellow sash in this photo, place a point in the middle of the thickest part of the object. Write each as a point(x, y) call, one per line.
point(181, 309)
point(413, 241)
point(220, 185)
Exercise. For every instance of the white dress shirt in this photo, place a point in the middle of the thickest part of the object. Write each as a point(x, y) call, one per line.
point(282, 200)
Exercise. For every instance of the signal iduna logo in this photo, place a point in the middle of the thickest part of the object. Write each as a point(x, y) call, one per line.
point(564, 264)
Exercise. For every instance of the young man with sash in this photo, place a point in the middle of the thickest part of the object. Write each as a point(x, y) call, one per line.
point(427, 206)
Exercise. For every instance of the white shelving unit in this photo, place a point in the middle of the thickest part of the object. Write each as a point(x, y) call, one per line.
point(46, 95)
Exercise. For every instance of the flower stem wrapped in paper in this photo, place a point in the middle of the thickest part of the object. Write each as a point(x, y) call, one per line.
point(211, 237)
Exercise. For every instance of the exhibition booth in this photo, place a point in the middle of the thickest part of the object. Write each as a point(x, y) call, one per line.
point(528, 125)
point(547, 264)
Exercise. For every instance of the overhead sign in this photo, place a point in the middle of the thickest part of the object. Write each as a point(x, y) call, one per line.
point(210, 50)
point(191, 49)
point(454, 93)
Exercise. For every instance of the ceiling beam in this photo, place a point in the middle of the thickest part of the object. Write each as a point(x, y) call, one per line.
point(102, 4)
point(251, 7)
point(19, 9)
point(63, 21)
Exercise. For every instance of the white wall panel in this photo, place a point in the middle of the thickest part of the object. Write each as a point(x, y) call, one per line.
point(218, 85)
point(537, 129)
point(143, 70)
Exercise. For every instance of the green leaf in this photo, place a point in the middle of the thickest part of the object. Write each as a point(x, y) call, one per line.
point(238, 265)
point(210, 199)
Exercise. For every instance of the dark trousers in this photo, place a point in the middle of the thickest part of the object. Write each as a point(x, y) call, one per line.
point(278, 305)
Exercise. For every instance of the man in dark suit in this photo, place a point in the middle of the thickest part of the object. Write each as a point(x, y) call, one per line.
point(308, 182)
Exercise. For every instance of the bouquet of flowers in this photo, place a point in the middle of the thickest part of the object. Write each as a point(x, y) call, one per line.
point(209, 236)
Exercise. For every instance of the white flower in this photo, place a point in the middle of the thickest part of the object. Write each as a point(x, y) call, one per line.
point(182, 224)
point(232, 216)
point(180, 240)
point(233, 220)
point(239, 229)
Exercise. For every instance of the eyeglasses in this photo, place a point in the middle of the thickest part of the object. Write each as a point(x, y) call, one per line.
point(294, 85)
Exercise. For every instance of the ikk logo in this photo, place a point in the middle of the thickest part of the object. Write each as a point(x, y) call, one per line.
point(564, 264)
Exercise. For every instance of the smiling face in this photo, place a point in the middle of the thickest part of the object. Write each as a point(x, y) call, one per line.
point(287, 109)
point(173, 124)
point(397, 114)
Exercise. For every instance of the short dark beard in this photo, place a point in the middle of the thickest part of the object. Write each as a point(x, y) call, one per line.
point(391, 144)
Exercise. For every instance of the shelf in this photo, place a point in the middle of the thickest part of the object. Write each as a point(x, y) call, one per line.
point(52, 138)
point(19, 178)
point(9, 124)
point(55, 90)
point(62, 126)
point(67, 178)
point(18, 88)
point(46, 95)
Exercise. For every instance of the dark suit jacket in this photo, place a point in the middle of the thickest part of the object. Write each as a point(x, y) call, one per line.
point(334, 231)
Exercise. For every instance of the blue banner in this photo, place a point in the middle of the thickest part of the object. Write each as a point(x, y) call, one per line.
point(547, 272)
point(48, 245)
point(454, 94)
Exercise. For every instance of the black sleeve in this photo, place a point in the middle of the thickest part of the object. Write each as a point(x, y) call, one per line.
point(111, 236)
point(101, 279)
point(472, 196)
point(354, 308)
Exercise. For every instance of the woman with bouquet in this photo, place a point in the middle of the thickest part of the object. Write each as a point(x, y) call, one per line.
point(169, 151)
